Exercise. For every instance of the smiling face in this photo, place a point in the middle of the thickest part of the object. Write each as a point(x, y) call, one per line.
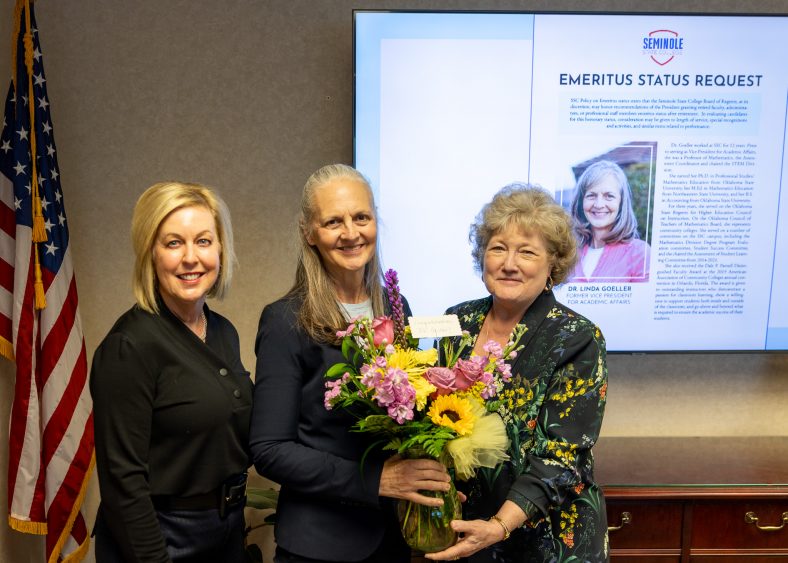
point(516, 267)
point(344, 231)
point(186, 257)
point(601, 203)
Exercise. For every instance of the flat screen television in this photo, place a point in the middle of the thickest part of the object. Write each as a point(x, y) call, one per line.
point(690, 110)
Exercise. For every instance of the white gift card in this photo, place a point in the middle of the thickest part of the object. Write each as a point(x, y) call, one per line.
point(434, 327)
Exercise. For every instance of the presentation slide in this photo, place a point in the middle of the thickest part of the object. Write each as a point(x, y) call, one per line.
point(690, 111)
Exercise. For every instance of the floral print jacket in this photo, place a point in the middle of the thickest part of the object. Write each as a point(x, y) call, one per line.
point(553, 408)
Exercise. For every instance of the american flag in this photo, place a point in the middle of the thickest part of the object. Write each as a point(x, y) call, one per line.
point(51, 431)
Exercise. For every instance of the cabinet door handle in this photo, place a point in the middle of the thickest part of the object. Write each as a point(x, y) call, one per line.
point(751, 518)
point(626, 518)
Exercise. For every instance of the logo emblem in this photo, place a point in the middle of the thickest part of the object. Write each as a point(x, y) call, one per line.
point(662, 45)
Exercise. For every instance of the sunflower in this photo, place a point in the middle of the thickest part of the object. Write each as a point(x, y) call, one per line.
point(453, 412)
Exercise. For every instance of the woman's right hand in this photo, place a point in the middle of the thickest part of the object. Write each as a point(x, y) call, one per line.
point(404, 478)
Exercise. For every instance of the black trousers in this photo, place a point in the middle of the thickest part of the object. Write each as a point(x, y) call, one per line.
point(391, 550)
point(192, 536)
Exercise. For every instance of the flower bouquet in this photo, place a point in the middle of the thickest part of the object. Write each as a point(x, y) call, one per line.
point(421, 407)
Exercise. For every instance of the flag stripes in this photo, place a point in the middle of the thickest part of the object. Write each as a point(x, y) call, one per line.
point(51, 430)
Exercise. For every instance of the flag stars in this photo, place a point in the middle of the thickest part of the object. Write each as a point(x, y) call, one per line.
point(51, 248)
point(61, 219)
point(55, 174)
point(48, 225)
point(22, 134)
point(24, 99)
point(17, 203)
point(44, 203)
point(43, 103)
point(58, 196)
point(41, 180)
point(29, 188)
point(39, 79)
point(20, 168)
point(37, 54)
point(6, 146)
point(50, 150)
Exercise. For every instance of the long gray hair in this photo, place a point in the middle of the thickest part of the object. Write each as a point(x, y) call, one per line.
point(625, 226)
point(320, 314)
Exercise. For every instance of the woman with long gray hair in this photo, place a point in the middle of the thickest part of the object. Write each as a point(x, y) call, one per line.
point(333, 504)
point(609, 246)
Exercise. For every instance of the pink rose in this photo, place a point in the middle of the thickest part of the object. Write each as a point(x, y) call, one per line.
point(443, 379)
point(383, 327)
point(469, 371)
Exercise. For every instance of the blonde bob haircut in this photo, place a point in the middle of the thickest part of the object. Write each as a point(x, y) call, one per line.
point(534, 211)
point(320, 314)
point(152, 209)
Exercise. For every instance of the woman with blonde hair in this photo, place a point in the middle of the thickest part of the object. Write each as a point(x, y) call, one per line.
point(172, 400)
point(333, 501)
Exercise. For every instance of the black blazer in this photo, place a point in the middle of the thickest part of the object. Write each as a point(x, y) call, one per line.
point(329, 506)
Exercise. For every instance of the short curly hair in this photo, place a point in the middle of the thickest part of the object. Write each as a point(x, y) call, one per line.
point(533, 210)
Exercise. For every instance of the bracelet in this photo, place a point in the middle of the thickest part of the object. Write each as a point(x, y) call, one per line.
point(506, 532)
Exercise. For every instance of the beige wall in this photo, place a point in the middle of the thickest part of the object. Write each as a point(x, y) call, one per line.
point(251, 97)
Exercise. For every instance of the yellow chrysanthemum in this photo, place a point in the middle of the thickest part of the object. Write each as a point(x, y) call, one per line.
point(413, 362)
point(485, 446)
point(423, 390)
point(453, 412)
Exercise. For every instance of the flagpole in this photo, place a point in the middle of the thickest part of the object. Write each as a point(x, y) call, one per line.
point(51, 454)
point(39, 231)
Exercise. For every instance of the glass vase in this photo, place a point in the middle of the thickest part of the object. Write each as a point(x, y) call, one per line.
point(427, 528)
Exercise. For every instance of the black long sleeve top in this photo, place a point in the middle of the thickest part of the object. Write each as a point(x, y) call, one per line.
point(171, 417)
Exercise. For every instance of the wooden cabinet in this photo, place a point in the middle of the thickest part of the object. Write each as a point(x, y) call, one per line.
point(695, 500)
point(654, 526)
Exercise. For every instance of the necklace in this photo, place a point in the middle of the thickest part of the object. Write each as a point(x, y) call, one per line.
point(485, 336)
point(203, 326)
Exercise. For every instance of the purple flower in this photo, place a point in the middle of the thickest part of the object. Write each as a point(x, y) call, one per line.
point(333, 390)
point(400, 413)
point(343, 333)
point(493, 349)
point(397, 309)
point(384, 393)
point(444, 379)
point(394, 392)
point(370, 375)
point(505, 370)
point(469, 371)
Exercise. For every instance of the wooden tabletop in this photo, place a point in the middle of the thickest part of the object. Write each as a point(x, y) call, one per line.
point(666, 462)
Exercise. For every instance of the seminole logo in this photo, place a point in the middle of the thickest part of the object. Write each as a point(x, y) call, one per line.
point(662, 45)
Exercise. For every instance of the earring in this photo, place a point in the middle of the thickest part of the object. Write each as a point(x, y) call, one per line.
point(550, 284)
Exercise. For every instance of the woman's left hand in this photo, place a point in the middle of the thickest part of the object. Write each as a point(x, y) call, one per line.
point(474, 536)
